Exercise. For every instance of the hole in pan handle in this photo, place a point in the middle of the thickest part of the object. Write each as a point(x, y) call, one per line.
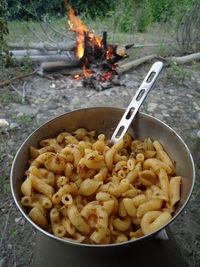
point(136, 102)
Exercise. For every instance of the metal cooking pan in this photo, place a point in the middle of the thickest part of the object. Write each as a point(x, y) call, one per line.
point(104, 120)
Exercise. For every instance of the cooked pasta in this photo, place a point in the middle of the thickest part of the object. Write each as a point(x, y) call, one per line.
point(79, 188)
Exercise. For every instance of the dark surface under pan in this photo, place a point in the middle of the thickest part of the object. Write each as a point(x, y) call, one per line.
point(152, 252)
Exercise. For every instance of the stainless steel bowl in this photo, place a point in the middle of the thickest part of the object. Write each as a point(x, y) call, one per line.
point(104, 120)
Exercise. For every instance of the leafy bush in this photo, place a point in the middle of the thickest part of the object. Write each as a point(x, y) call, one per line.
point(162, 9)
point(136, 15)
point(93, 9)
point(4, 51)
point(125, 15)
point(145, 16)
point(130, 14)
point(18, 9)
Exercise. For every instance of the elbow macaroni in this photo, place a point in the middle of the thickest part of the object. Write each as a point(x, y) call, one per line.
point(79, 188)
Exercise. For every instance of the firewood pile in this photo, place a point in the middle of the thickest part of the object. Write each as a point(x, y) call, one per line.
point(89, 58)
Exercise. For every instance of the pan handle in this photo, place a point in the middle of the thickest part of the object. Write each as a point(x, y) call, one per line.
point(137, 101)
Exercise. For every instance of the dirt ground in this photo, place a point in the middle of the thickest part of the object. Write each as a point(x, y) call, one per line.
point(174, 101)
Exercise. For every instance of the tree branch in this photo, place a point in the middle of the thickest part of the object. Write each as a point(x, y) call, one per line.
point(2, 84)
point(57, 31)
point(34, 33)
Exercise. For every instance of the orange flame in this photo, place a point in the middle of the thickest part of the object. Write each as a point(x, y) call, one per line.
point(77, 76)
point(109, 53)
point(78, 26)
point(86, 72)
point(95, 42)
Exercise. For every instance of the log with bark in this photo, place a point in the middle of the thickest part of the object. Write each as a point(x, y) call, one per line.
point(70, 58)
point(35, 52)
point(43, 51)
point(56, 65)
point(125, 67)
point(133, 64)
point(185, 59)
point(63, 46)
point(119, 50)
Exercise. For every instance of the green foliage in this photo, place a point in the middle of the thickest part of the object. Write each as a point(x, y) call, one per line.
point(6, 98)
point(163, 49)
point(145, 16)
point(126, 15)
point(13, 232)
point(93, 9)
point(178, 73)
point(162, 9)
point(3, 28)
point(4, 182)
point(135, 15)
point(131, 14)
point(139, 14)
point(16, 9)
point(4, 52)
point(24, 119)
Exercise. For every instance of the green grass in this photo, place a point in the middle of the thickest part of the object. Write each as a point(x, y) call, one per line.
point(19, 31)
point(6, 98)
point(24, 119)
point(14, 154)
point(178, 73)
point(13, 232)
point(4, 182)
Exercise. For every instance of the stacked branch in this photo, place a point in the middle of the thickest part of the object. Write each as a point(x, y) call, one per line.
point(62, 46)
point(53, 57)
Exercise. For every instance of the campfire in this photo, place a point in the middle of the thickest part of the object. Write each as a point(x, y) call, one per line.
point(90, 58)
point(98, 59)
